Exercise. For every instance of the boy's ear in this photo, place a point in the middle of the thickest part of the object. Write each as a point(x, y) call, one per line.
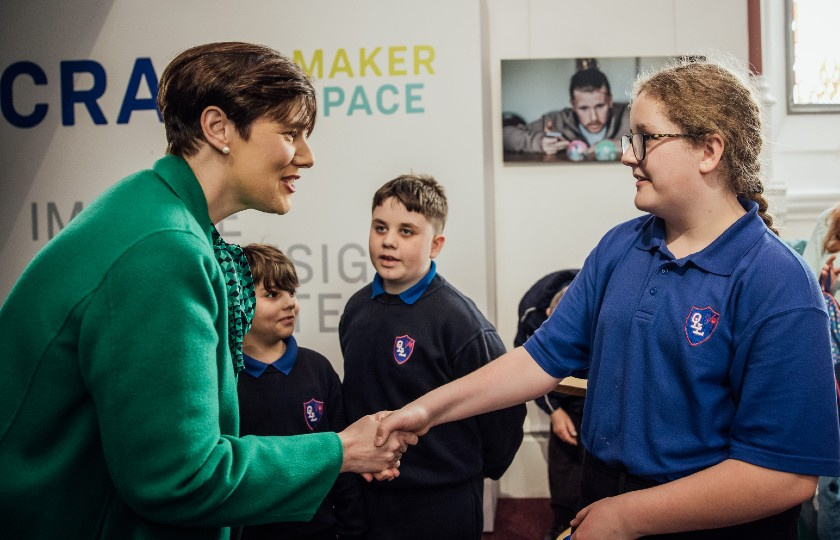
point(712, 152)
point(216, 127)
point(437, 245)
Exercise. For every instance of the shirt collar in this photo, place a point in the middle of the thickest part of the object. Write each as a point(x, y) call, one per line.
point(410, 295)
point(722, 255)
point(285, 363)
point(177, 174)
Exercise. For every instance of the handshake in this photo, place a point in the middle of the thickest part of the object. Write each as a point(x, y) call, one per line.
point(374, 444)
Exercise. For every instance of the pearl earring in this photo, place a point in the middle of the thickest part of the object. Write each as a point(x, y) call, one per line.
point(226, 150)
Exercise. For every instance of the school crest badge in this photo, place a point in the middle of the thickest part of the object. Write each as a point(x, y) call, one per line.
point(700, 324)
point(313, 411)
point(403, 348)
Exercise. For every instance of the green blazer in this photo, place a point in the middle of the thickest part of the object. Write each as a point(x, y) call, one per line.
point(118, 406)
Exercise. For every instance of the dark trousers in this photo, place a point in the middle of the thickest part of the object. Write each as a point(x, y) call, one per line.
point(565, 463)
point(600, 481)
point(446, 512)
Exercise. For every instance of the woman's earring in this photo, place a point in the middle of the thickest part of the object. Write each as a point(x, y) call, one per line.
point(226, 150)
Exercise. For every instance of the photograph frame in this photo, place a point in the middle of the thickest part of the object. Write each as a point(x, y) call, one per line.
point(537, 102)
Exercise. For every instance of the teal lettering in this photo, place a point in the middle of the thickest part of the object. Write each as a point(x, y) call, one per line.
point(411, 98)
point(333, 97)
point(359, 101)
point(379, 102)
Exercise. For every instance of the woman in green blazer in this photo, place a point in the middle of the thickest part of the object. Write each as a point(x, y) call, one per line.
point(122, 338)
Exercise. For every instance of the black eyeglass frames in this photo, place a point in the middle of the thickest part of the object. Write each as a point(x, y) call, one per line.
point(639, 142)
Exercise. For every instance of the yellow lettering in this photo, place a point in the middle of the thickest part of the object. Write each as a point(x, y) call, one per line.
point(341, 64)
point(368, 61)
point(395, 59)
point(316, 66)
point(423, 56)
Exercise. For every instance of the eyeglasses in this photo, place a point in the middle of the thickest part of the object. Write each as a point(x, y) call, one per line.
point(639, 142)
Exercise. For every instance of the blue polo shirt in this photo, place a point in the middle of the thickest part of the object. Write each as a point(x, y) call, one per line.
point(721, 354)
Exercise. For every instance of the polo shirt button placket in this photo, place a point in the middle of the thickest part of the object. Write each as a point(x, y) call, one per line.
point(653, 290)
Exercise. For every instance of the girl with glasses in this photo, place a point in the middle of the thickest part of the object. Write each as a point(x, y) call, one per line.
point(711, 407)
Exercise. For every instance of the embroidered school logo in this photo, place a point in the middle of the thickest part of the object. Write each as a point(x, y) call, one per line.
point(313, 410)
point(403, 347)
point(700, 324)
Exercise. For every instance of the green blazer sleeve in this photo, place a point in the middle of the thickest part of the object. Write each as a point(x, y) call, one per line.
point(153, 349)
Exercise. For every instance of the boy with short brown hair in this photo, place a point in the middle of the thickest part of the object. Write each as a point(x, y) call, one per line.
point(291, 390)
point(410, 331)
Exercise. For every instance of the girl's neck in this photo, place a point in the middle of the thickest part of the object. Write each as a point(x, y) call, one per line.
point(694, 232)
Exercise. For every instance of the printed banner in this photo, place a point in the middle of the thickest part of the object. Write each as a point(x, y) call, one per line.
point(399, 87)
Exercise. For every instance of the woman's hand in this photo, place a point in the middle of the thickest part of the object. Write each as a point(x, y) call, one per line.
point(380, 461)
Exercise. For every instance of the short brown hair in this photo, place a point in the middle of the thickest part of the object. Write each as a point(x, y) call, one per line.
point(271, 267)
point(418, 193)
point(245, 80)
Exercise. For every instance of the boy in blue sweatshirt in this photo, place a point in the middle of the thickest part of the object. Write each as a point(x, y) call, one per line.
point(410, 331)
point(291, 390)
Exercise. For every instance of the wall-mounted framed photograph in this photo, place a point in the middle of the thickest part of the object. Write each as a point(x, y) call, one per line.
point(568, 110)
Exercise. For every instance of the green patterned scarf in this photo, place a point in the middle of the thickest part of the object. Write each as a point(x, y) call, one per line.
point(241, 297)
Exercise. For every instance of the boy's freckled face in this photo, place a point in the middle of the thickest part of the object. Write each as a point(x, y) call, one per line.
point(275, 315)
point(402, 245)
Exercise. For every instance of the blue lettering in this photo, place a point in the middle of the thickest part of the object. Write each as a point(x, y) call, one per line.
point(143, 68)
point(6, 99)
point(70, 96)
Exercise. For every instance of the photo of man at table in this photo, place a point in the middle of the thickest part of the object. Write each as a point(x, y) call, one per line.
point(585, 127)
